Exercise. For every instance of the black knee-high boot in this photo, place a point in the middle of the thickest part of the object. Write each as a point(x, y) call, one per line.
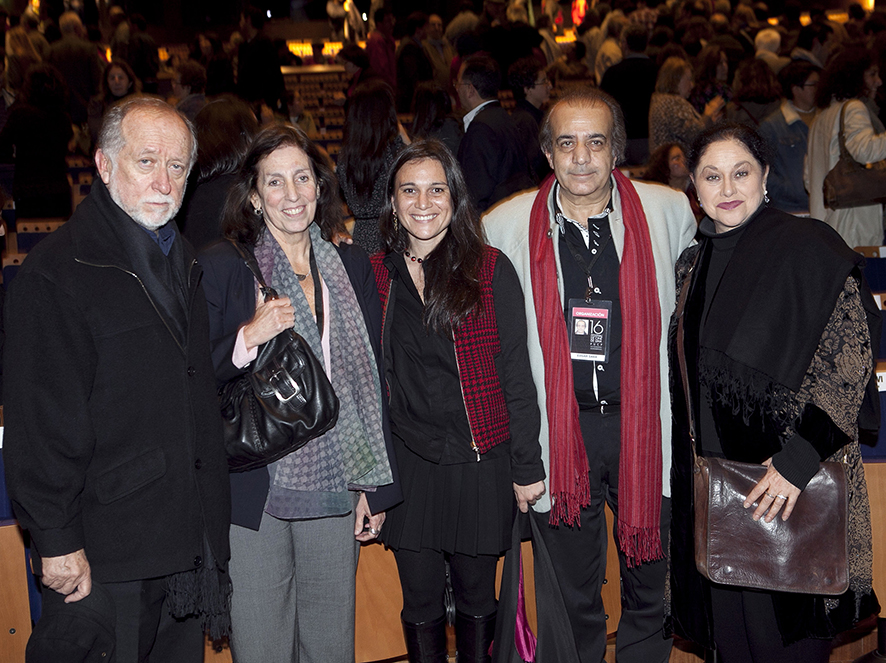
point(426, 641)
point(473, 635)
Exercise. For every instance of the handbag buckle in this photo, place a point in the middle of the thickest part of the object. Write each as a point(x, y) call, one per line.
point(284, 385)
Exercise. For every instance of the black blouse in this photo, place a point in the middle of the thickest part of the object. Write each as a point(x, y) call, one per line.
point(427, 407)
point(719, 249)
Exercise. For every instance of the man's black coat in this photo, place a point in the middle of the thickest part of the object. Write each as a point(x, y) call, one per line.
point(113, 437)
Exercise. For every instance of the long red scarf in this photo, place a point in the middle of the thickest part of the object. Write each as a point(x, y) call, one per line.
point(639, 501)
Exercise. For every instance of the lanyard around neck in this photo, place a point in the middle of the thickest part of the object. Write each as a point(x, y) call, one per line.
point(587, 268)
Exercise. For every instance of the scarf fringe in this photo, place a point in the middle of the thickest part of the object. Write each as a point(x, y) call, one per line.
point(744, 390)
point(203, 593)
point(566, 505)
point(639, 544)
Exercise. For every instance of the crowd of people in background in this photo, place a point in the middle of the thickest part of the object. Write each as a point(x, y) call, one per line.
point(674, 67)
point(591, 165)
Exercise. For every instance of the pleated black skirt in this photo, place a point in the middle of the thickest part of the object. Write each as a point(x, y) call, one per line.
point(466, 508)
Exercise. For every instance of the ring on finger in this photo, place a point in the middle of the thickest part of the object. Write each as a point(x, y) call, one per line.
point(373, 531)
point(782, 497)
point(771, 495)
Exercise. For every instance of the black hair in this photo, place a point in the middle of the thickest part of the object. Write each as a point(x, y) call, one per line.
point(707, 63)
point(658, 168)
point(416, 21)
point(255, 15)
point(452, 284)
point(370, 126)
point(482, 72)
point(843, 78)
point(522, 74)
point(795, 73)
point(747, 136)
point(817, 30)
point(755, 82)
point(431, 105)
point(380, 15)
point(45, 88)
point(192, 74)
point(636, 37)
point(225, 128)
point(135, 85)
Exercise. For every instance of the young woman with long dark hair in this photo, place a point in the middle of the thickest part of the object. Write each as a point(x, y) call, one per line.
point(464, 413)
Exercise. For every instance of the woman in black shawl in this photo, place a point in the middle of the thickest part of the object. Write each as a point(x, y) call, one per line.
point(778, 329)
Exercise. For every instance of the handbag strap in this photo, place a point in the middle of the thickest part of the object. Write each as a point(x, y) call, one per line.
point(270, 293)
point(740, 106)
point(844, 152)
point(681, 349)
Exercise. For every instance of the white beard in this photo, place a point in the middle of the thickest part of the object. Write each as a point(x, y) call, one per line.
point(152, 224)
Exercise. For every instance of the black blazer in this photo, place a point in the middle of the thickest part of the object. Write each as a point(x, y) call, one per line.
point(492, 157)
point(631, 83)
point(230, 294)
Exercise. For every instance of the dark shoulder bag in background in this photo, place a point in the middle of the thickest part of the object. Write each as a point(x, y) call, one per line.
point(850, 183)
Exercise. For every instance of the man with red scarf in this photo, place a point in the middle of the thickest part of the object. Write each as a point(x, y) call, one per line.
point(595, 254)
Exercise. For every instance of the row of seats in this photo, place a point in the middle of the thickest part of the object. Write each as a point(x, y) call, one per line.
point(23, 234)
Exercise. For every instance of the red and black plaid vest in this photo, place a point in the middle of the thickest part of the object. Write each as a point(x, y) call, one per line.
point(476, 346)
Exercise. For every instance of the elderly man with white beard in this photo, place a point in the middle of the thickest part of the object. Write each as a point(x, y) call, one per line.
point(113, 448)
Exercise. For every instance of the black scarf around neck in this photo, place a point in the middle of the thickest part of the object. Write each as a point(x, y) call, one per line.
point(775, 298)
point(164, 277)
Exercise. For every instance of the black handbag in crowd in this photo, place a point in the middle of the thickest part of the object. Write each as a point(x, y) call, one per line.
point(283, 401)
point(807, 553)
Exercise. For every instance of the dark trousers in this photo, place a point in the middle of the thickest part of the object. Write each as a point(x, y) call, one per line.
point(146, 632)
point(745, 631)
point(579, 557)
point(423, 580)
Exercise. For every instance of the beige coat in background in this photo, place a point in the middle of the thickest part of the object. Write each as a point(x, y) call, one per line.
point(866, 141)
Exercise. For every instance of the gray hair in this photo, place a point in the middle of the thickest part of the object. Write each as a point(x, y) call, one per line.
point(69, 23)
point(768, 39)
point(110, 138)
point(588, 98)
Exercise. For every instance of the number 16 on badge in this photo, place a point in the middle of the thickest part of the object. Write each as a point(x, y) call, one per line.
point(589, 323)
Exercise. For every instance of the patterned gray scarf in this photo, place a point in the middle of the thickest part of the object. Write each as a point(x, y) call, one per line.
point(314, 481)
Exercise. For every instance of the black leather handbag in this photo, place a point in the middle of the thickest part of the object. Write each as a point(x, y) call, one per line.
point(285, 398)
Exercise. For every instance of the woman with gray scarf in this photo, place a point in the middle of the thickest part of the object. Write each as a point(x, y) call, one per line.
point(296, 524)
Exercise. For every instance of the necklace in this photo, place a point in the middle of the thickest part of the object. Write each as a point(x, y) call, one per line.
point(414, 258)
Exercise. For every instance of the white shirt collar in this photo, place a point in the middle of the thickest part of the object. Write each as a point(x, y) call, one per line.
point(470, 116)
point(791, 113)
point(561, 219)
